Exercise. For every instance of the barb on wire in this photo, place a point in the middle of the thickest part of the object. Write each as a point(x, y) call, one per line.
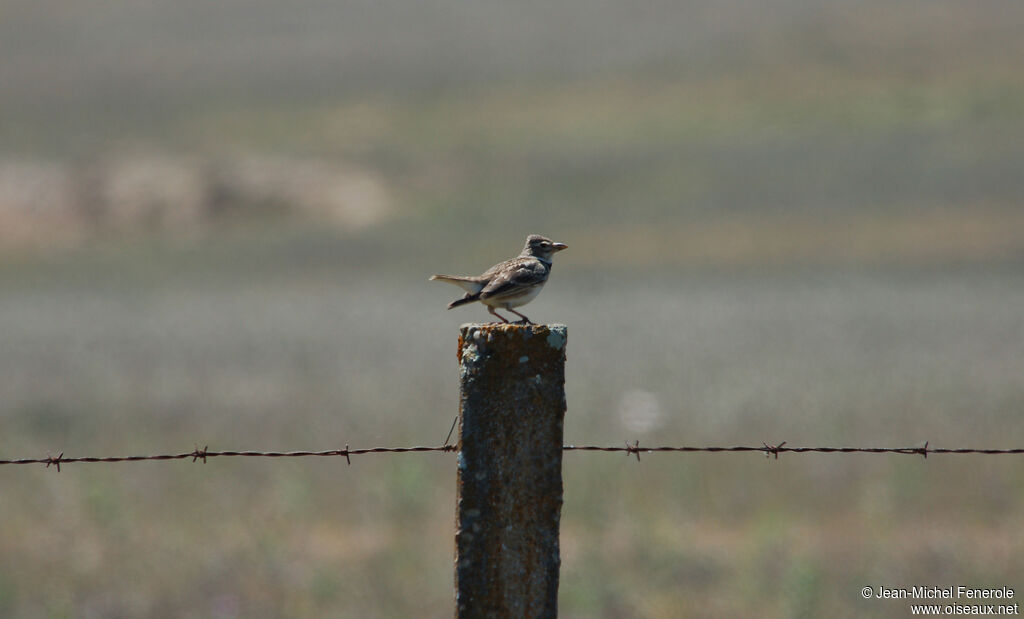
point(772, 449)
point(51, 460)
point(630, 449)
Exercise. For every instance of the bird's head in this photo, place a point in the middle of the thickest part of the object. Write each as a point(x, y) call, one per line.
point(542, 247)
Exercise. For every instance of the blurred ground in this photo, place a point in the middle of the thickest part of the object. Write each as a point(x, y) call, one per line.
point(800, 221)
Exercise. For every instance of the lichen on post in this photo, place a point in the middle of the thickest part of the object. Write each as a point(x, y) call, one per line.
point(512, 409)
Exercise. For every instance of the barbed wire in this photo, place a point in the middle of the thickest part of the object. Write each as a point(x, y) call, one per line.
point(634, 449)
point(204, 453)
point(774, 450)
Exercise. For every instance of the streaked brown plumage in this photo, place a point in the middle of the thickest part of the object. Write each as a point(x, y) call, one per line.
point(509, 284)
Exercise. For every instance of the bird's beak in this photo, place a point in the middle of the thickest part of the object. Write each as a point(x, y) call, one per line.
point(559, 246)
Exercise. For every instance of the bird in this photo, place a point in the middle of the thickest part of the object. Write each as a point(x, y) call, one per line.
point(509, 284)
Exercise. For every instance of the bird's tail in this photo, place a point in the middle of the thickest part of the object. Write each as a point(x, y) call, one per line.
point(469, 298)
point(472, 285)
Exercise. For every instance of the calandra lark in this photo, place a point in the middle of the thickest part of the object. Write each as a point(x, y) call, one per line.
point(511, 283)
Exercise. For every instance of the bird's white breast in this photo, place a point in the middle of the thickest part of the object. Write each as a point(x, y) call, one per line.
point(528, 295)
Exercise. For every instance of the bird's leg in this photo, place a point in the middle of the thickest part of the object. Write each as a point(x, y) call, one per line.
point(502, 318)
point(525, 320)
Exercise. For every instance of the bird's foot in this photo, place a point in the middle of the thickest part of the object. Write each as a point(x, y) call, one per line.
point(523, 319)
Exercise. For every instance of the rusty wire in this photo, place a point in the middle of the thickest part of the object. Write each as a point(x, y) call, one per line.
point(204, 453)
point(630, 449)
point(774, 450)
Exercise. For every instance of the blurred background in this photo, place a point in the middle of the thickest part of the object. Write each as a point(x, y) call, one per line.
point(793, 220)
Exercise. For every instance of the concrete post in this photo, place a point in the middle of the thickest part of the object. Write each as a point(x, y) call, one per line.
point(509, 470)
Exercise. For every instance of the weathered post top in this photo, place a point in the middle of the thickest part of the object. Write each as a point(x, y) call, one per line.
point(512, 408)
point(502, 336)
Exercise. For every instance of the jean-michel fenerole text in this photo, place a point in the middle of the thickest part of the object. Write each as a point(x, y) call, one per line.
point(944, 593)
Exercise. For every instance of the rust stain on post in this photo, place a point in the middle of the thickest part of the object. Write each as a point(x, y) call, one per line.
point(512, 408)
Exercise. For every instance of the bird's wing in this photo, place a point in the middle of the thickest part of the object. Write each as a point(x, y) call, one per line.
point(513, 276)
